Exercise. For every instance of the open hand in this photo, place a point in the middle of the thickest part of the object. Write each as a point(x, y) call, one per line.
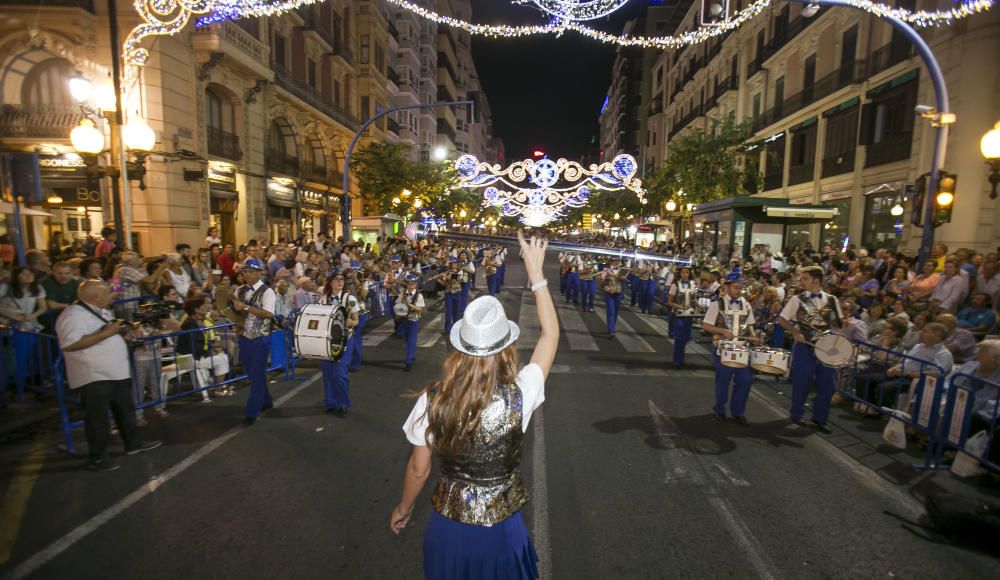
point(533, 252)
point(398, 520)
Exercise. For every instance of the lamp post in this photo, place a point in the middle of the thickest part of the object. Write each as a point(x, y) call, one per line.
point(989, 145)
point(345, 197)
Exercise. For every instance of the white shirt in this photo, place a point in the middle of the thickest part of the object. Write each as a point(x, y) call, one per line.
point(350, 302)
point(104, 361)
point(267, 297)
point(791, 310)
point(181, 282)
point(950, 292)
point(745, 310)
point(530, 381)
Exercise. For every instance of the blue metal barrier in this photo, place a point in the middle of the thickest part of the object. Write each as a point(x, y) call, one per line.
point(30, 358)
point(971, 407)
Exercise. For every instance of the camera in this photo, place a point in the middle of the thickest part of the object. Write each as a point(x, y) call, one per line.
point(154, 312)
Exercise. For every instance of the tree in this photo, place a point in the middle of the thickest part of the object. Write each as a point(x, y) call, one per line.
point(706, 165)
point(391, 182)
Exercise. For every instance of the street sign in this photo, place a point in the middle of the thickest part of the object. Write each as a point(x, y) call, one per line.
point(588, 221)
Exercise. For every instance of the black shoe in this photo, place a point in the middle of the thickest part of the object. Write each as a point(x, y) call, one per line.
point(331, 410)
point(267, 406)
point(144, 447)
point(611, 335)
point(799, 422)
point(678, 365)
point(719, 416)
point(102, 465)
point(742, 421)
point(342, 413)
point(821, 427)
point(249, 421)
point(353, 370)
point(407, 368)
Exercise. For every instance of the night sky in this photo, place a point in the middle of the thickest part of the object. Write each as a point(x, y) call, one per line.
point(544, 92)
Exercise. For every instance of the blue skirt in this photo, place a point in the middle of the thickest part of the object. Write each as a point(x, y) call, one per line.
point(453, 550)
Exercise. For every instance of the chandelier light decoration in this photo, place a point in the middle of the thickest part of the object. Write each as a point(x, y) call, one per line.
point(168, 17)
point(539, 191)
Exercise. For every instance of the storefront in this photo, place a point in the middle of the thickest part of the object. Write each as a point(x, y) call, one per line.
point(367, 229)
point(74, 199)
point(881, 228)
point(223, 199)
point(312, 210)
point(730, 227)
point(835, 232)
point(654, 232)
point(282, 203)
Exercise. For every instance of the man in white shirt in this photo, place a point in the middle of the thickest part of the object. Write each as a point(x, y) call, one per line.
point(989, 281)
point(97, 363)
point(410, 325)
point(951, 289)
point(257, 301)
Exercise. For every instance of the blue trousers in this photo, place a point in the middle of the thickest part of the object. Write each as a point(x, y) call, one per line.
point(805, 369)
point(612, 303)
point(634, 282)
point(741, 379)
point(572, 293)
point(562, 283)
point(647, 291)
point(25, 347)
point(587, 290)
point(682, 334)
point(279, 356)
point(501, 272)
point(356, 343)
point(778, 338)
point(410, 330)
point(336, 384)
point(493, 284)
point(253, 357)
point(452, 309)
point(465, 296)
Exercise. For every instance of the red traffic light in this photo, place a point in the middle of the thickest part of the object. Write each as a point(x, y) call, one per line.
point(538, 153)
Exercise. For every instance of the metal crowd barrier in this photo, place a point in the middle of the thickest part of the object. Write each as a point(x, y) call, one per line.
point(29, 358)
point(970, 407)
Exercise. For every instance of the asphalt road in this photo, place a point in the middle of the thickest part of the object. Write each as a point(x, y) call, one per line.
point(629, 474)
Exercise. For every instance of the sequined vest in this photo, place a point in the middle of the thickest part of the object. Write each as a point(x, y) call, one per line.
point(812, 319)
point(483, 485)
point(253, 326)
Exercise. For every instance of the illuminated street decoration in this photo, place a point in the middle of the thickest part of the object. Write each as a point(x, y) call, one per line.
point(539, 191)
point(168, 17)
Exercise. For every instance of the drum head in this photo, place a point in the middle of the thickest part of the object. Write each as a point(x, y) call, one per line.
point(834, 350)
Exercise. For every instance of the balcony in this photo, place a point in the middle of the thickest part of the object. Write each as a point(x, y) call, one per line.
point(311, 22)
point(87, 5)
point(242, 49)
point(801, 173)
point(392, 126)
point(783, 36)
point(393, 76)
point(755, 66)
point(443, 128)
point(313, 97)
point(281, 162)
point(393, 31)
point(896, 148)
point(772, 181)
point(838, 164)
point(314, 172)
point(38, 121)
point(687, 119)
point(223, 144)
point(724, 86)
point(888, 56)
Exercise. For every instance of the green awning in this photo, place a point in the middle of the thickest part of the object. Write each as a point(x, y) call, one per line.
point(804, 124)
point(901, 79)
point(842, 107)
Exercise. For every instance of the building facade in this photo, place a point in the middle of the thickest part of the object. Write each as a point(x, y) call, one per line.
point(252, 117)
point(831, 102)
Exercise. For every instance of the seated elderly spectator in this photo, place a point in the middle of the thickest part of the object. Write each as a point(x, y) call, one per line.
point(305, 295)
point(874, 318)
point(930, 349)
point(960, 342)
point(982, 374)
point(951, 289)
point(854, 328)
point(978, 317)
point(874, 376)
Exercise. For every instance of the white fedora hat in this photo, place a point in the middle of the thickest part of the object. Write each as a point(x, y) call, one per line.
point(484, 329)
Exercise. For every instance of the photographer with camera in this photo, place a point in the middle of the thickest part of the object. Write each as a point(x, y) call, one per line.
point(97, 363)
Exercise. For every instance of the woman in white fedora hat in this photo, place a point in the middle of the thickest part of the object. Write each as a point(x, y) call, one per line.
point(473, 419)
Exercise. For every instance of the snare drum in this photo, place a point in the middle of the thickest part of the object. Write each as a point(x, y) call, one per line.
point(687, 313)
point(321, 332)
point(400, 310)
point(833, 350)
point(771, 361)
point(733, 353)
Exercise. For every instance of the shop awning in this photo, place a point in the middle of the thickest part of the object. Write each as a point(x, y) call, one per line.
point(8, 208)
point(802, 212)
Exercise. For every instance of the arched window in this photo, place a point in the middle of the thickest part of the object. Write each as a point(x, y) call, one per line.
point(221, 120)
point(282, 154)
point(314, 160)
point(48, 83)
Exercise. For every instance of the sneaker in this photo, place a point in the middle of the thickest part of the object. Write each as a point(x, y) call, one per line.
point(141, 422)
point(102, 465)
point(249, 421)
point(208, 400)
point(161, 412)
point(147, 446)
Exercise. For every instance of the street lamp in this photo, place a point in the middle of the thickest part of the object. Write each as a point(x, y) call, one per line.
point(440, 153)
point(79, 87)
point(139, 136)
point(86, 138)
point(671, 205)
point(897, 210)
point(989, 145)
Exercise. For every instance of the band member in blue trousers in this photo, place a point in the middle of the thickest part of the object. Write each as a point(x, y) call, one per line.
point(410, 325)
point(256, 300)
point(731, 318)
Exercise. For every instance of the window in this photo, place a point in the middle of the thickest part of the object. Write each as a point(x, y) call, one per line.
point(380, 57)
point(311, 77)
point(779, 96)
point(365, 108)
point(887, 124)
point(835, 231)
point(278, 50)
point(365, 49)
point(802, 164)
point(337, 97)
point(47, 84)
point(756, 105)
point(881, 229)
point(774, 164)
point(841, 142)
point(734, 71)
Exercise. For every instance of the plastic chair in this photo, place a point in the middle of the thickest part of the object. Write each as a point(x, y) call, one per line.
point(183, 365)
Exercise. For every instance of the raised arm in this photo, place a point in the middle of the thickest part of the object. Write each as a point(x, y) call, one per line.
point(534, 258)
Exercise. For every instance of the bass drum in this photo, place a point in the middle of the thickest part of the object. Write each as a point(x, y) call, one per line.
point(834, 351)
point(321, 332)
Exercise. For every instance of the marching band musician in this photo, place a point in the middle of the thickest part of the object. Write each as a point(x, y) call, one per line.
point(588, 284)
point(336, 383)
point(572, 293)
point(410, 324)
point(491, 267)
point(682, 298)
point(452, 294)
point(731, 318)
point(394, 284)
point(256, 300)
point(468, 269)
point(563, 272)
point(359, 287)
point(806, 314)
point(647, 287)
point(502, 267)
point(612, 277)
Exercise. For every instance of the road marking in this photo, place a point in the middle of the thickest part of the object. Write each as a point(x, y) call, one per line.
point(378, 334)
point(662, 327)
point(15, 501)
point(540, 491)
point(432, 332)
point(744, 537)
point(634, 371)
point(575, 328)
point(531, 328)
point(627, 335)
point(865, 475)
point(39, 559)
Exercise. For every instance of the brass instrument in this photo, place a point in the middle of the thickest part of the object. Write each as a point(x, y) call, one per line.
point(588, 271)
point(224, 304)
point(613, 282)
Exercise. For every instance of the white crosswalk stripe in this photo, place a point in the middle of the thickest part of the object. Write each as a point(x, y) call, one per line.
point(531, 328)
point(431, 332)
point(377, 335)
point(575, 329)
point(627, 335)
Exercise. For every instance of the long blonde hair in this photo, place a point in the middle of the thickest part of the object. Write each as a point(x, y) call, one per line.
point(456, 400)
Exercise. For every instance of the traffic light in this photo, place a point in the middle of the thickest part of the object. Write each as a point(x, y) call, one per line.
point(537, 154)
point(917, 207)
point(714, 12)
point(945, 200)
